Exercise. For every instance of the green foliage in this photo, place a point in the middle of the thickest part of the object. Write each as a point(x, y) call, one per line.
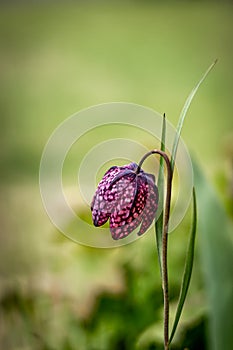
point(159, 224)
point(115, 318)
point(184, 112)
point(217, 260)
point(187, 269)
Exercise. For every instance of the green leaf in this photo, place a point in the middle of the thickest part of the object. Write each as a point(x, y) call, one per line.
point(160, 184)
point(184, 112)
point(187, 269)
point(216, 247)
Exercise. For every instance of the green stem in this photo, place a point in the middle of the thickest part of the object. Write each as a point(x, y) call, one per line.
point(164, 241)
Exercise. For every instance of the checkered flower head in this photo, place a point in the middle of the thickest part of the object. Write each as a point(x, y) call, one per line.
point(128, 198)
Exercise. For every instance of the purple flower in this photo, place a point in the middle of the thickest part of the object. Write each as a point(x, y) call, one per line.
point(129, 198)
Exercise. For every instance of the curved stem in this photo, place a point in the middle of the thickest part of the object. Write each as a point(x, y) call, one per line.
point(164, 240)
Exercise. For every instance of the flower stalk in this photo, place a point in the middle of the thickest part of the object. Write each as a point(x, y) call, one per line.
point(164, 240)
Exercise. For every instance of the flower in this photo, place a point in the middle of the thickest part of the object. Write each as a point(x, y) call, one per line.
point(128, 197)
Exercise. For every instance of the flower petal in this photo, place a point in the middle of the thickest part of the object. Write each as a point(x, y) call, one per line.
point(127, 214)
point(120, 232)
point(127, 198)
point(106, 193)
point(125, 188)
point(151, 204)
point(131, 166)
point(100, 206)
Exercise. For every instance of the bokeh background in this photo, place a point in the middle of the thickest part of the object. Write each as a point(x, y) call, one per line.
point(57, 58)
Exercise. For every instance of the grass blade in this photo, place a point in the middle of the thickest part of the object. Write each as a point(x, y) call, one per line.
point(187, 269)
point(184, 112)
point(160, 184)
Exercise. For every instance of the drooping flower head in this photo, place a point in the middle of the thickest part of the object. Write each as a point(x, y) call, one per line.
point(128, 197)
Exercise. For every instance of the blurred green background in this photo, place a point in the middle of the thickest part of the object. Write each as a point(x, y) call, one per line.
point(55, 59)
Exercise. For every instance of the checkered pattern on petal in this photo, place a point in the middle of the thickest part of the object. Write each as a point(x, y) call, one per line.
point(129, 199)
point(102, 202)
point(106, 193)
point(122, 227)
point(151, 204)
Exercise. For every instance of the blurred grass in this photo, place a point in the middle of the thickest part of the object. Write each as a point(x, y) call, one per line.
point(59, 58)
point(55, 59)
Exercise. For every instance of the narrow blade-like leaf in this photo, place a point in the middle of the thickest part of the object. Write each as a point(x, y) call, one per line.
point(184, 112)
point(160, 184)
point(187, 269)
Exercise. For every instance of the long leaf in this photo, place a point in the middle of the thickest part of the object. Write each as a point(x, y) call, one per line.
point(215, 248)
point(184, 112)
point(160, 184)
point(187, 269)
